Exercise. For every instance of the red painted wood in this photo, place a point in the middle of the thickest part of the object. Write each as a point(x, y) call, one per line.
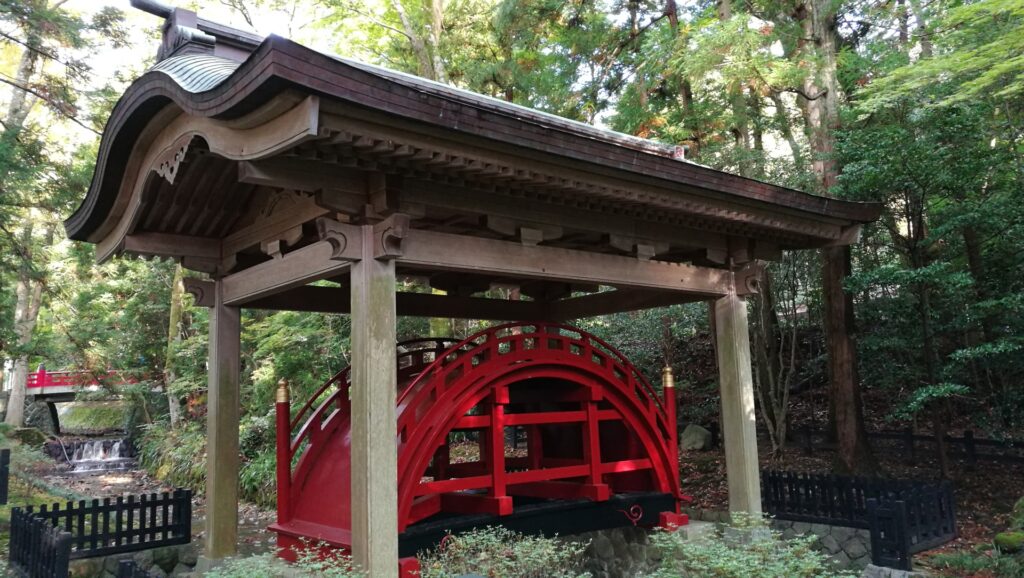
point(547, 378)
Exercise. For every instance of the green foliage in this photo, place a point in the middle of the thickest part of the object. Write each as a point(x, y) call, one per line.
point(310, 564)
point(177, 456)
point(500, 552)
point(967, 564)
point(745, 549)
point(1017, 516)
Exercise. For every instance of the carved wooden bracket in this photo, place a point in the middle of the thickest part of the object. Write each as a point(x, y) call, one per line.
point(167, 163)
point(747, 279)
point(201, 290)
point(390, 235)
point(345, 239)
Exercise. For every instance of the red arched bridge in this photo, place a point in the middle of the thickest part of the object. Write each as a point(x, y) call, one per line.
point(601, 443)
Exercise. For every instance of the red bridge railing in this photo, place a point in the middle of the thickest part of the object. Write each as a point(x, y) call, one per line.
point(42, 378)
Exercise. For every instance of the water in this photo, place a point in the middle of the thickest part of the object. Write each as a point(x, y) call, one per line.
point(100, 455)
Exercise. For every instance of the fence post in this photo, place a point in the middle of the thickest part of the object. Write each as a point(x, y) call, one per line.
point(972, 456)
point(908, 441)
point(5, 474)
point(714, 434)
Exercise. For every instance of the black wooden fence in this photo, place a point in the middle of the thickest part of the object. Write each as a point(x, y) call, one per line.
point(903, 517)
point(103, 527)
point(5, 474)
point(906, 441)
point(37, 549)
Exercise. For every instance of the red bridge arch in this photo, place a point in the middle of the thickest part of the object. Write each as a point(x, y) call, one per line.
point(596, 430)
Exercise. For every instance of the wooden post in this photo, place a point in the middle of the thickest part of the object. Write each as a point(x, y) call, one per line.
point(284, 462)
point(222, 430)
point(738, 417)
point(374, 384)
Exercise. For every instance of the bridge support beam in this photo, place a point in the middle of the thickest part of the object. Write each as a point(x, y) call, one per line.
point(374, 383)
point(222, 430)
point(738, 412)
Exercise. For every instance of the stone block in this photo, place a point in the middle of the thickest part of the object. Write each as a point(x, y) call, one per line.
point(830, 544)
point(821, 529)
point(144, 558)
point(165, 558)
point(181, 570)
point(157, 572)
point(695, 437)
point(841, 560)
point(843, 534)
point(86, 568)
point(189, 554)
point(698, 530)
point(855, 547)
point(801, 527)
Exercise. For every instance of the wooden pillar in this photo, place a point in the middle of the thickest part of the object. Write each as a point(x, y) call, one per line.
point(374, 384)
point(222, 429)
point(738, 413)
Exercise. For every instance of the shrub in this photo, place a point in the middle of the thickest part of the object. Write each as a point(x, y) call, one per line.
point(746, 549)
point(501, 553)
point(1009, 542)
point(308, 565)
point(976, 564)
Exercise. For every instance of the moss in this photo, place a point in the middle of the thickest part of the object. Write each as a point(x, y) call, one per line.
point(29, 436)
point(94, 416)
point(1009, 542)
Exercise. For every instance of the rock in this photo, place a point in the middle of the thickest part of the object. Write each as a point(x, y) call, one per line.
point(110, 563)
point(801, 527)
point(855, 547)
point(181, 570)
point(872, 571)
point(830, 545)
point(1009, 542)
point(843, 534)
point(157, 572)
point(165, 558)
point(86, 568)
point(189, 554)
point(144, 558)
point(695, 438)
point(29, 436)
point(821, 529)
point(841, 560)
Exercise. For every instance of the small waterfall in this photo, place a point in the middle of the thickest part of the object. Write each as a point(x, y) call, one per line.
point(100, 455)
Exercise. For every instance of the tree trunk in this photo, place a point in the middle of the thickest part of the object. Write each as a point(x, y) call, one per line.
point(173, 339)
point(853, 455)
point(29, 296)
point(820, 42)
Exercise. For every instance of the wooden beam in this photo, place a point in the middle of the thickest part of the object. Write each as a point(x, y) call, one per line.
point(446, 252)
point(374, 469)
point(273, 226)
point(303, 175)
point(300, 267)
point(451, 197)
point(615, 302)
point(168, 245)
point(336, 300)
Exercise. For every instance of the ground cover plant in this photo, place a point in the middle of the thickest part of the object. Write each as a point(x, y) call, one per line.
point(503, 553)
point(746, 548)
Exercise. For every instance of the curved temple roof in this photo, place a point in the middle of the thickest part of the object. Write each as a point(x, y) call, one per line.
point(385, 121)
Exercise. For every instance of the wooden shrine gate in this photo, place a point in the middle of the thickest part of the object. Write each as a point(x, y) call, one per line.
point(595, 429)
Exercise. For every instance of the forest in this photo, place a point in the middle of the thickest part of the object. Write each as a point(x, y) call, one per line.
point(914, 104)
